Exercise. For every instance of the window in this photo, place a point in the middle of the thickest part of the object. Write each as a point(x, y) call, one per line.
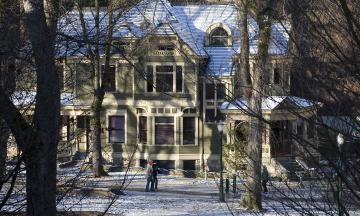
point(120, 47)
point(210, 115)
point(164, 78)
point(179, 79)
point(143, 129)
point(220, 91)
point(188, 130)
point(82, 122)
point(84, 76)
point(299, 129)
point(168, 78)
point(189, 164)
point(60, 72)
point(210, 91)
point(311, 129)
point(150, 78)
point(164, 131)
point(277, 75)
point(65, 128)
point(69, 78)
point(219, 37)
point(116, 129)
point(108, 79)
point(286, 75)
point(215, 93)
point(169, 47)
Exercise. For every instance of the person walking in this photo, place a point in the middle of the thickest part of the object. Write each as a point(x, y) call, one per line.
point(155, 173)
point(149, 176)
point(264, 178)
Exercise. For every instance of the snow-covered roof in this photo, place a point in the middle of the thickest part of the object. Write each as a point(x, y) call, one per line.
point(27, 98)
point(189, 22)
point(270, 103)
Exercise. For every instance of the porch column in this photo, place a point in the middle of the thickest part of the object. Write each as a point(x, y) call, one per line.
point(266, 150)
point(293, 142)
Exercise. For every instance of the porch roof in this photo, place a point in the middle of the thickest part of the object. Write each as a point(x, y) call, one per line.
point(271, 103)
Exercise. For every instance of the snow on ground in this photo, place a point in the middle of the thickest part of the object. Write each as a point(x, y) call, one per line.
point(180, 196)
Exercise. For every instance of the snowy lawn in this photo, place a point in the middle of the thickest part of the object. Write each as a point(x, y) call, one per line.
point(120, 194)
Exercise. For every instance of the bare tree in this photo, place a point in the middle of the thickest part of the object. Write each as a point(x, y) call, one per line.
point(243, 77)
point(9, 41)
point(103, 40)
point(39, 142)
point(252, 197)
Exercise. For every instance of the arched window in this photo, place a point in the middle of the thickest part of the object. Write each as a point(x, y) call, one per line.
point(219, 37)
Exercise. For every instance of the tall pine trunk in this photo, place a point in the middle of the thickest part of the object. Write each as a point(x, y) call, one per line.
point(252, 199)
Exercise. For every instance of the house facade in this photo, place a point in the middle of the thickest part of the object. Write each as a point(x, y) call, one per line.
point(171, 75)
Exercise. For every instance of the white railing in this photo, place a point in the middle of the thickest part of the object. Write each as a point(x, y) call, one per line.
point(163, 53)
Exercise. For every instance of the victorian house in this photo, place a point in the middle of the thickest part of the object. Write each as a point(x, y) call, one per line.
point(172, 74)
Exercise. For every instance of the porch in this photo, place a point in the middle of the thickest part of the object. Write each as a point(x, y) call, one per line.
point(284, 129)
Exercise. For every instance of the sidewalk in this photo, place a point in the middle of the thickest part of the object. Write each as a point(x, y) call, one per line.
point(166, 184)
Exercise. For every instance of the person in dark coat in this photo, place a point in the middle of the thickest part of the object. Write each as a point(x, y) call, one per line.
point(264, 178)
point(155, 173)
point(149, 176)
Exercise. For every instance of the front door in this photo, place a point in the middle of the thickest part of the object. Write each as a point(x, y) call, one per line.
point(280, 139)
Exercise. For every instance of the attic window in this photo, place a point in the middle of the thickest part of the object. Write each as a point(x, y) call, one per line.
point(168, 47)
point(219, 37)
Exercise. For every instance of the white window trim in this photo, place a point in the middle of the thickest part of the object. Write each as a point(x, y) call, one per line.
point(153, 129)
point(116, 113)
point(219, 25)
point(174, 64)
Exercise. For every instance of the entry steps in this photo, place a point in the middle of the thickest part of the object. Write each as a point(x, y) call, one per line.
point(295, 170)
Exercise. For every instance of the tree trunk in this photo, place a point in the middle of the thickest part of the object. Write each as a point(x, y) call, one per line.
point(97, 164)
point(299, 46)
point(4, 135)
point(40, 153)
point(99, 88)
point(252, 199)
point(9, 42)
point(242, 76)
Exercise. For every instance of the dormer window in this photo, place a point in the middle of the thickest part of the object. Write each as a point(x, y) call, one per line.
point(219, 37)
